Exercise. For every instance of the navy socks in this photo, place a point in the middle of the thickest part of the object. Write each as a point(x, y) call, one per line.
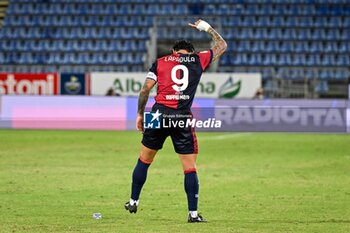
point(191, 184)
point(191, 188)
point(138, 178)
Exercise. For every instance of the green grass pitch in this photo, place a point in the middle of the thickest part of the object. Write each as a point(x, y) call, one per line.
point(53, 181)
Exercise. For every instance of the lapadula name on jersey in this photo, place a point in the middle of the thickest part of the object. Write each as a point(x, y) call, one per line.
point(180, 59)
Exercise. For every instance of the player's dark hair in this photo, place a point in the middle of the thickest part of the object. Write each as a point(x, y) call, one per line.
point(183, 44)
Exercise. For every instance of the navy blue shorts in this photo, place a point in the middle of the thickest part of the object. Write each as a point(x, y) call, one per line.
point(184, 138)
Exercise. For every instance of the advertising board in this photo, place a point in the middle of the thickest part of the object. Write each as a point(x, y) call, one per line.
point(212, 85)
point(74, 84)
point(63, 112)
point(29, 84)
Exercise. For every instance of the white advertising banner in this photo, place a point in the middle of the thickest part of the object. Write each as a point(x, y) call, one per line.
point(212, 85)
point(229, 85)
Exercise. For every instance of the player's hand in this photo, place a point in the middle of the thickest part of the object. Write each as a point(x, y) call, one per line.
point(139, 122)
point(201, 25)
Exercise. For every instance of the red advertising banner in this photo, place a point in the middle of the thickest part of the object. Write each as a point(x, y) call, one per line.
point(29, 84)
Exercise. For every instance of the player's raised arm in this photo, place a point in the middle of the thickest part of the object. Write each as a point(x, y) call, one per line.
point(220, 44)
point(143, 98)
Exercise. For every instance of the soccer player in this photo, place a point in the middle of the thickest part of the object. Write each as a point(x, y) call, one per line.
point(177, 75)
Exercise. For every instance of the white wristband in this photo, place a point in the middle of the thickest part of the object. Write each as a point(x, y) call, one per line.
point(203, 26)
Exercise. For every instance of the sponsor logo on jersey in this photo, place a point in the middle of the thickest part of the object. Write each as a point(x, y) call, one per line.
point(177, 97)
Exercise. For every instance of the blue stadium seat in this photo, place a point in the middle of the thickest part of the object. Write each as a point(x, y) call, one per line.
point(36, 45)
point(252, 9)
point(298, 59)
point(126, 33)
point(278, 21)
point(318, 34)
point(18, 8)
point(78, 45)
point(106, 45)
point(293, 33)
point(268, 73)
point(242, 46)
point(311, 74)
point(322, 87)
point(269, 46)
point(119, 59)
point(343, 47)
point(223, 9)
point(64, 45)
point(263, 21)
point(320, 22)
point(93, 45)
point(46, 20)
point(254, 59)
point(329, 47)
point(326, 60)
point(270, 60)
point(340, 74)
point(286, 46)
point(142, 46)
point(25, 58)
point(248, 21)
point(256, 46)
point(343, 60)
point(22, 45)
point(346, 21)
point(225, 60)
point(181, 9)
point(315, 47)
point(285, 60)
point(334, 22)
point(301, 47)
point(247, 33)
point(7, 45)
point(2, 58)
point(71, 58)
point(209, 9)
point(288, 34)
point(303, 34)
point(310, 61)
point(239, 59)
point(325, 74)
point(50, 45)
point(345, 35)
point(90, 59)
point(153, 9)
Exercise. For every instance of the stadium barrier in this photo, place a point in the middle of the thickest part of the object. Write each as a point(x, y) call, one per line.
point(119, 113)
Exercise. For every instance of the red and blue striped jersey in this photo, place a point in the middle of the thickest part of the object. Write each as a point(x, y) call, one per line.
point(178, 76)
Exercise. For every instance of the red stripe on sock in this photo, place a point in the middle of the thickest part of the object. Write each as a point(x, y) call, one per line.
point(195, 144)
point(144, 161)
point(190, 170)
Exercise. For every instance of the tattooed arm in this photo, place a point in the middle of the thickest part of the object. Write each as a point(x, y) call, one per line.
point(219, 43)
point(143, 98)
